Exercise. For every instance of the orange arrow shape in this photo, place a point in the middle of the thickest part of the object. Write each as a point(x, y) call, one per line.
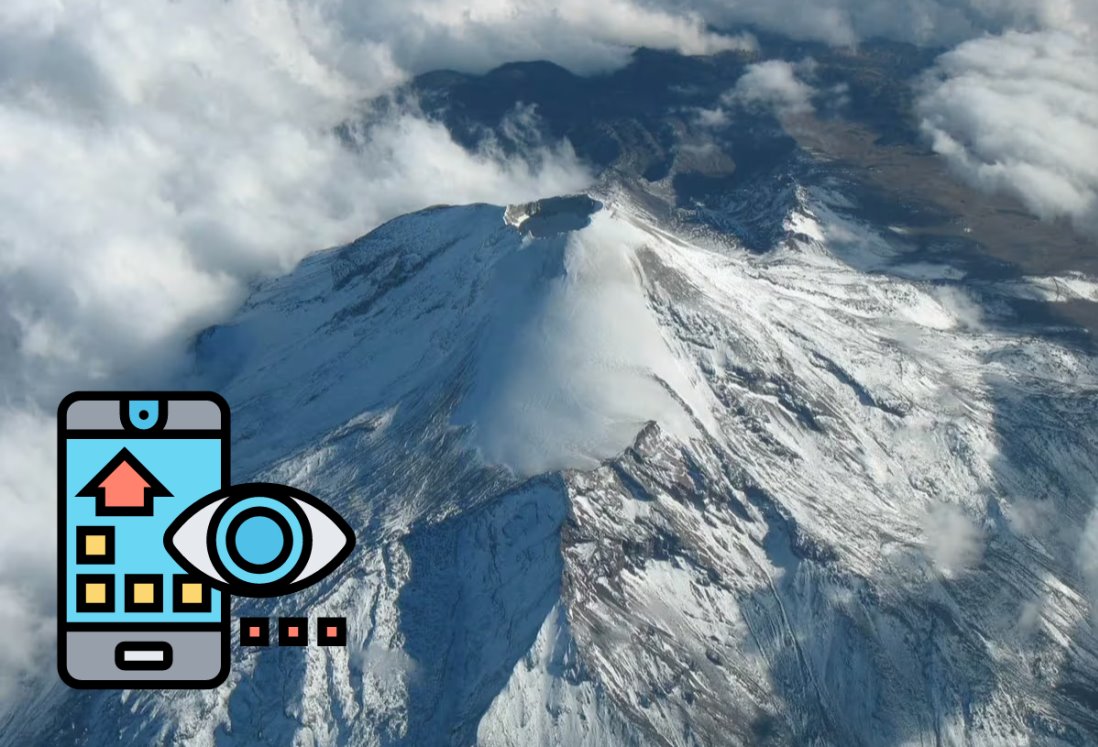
point(124, 486)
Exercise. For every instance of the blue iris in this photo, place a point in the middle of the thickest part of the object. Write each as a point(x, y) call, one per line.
point(259, 540)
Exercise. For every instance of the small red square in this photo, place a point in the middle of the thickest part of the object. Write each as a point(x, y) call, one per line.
point(332, 631)
point(255, 631)
point(293, 631)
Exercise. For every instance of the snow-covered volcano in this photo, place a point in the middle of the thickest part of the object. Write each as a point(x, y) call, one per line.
point(617, 479)
point(763, 440)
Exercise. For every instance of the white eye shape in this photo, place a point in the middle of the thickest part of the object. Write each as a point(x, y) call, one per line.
point(259, 539)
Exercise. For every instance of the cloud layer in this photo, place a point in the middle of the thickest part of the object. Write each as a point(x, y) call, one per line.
point(774, 84)
point(1087, 559)
point(941, 22)
point(952, 541)
point(1019, 114)
point(422, 35)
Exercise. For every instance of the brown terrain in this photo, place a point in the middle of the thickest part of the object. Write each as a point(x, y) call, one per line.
point(1000, 225)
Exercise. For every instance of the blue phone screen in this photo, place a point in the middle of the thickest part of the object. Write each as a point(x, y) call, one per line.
point(117, 569)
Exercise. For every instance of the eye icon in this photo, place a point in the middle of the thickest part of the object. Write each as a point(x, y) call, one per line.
point(259, 539)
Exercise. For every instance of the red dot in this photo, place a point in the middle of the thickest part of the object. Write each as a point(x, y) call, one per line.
point(291, 631)
point(332, 631)
point(253, 632)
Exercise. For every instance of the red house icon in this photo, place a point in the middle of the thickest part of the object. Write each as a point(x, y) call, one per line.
point(124, 487)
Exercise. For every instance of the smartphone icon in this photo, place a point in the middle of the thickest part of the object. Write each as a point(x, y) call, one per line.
point(128, 464)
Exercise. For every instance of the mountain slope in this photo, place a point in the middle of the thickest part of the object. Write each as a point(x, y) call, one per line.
point(618, 479)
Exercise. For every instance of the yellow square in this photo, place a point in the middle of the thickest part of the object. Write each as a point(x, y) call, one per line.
point(95, 544)
point(191, 593)
point(143, 593)
point(95, 593)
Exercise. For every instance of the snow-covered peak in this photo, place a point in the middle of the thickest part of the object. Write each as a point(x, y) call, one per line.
point(542, 341)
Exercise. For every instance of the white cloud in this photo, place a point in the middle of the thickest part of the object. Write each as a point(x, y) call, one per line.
point(26, 549)
point(1088, 559)
point(944, 22)
point(960, 306)
point(775, 84)
point(1019, 114)
point(541, 401)
point(951, 540)
point(584, 36)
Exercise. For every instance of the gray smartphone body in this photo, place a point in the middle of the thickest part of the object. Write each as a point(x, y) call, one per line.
point(128, 464)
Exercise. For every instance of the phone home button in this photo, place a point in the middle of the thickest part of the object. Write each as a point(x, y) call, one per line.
point(143, 655)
